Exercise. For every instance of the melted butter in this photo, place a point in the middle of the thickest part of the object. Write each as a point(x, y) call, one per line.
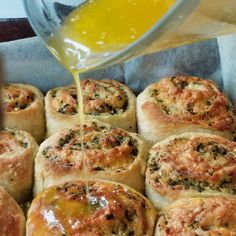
point(52, 221)
point(103, 26)
point(81, 122)
point(110, 25)
point(63, 214)
point(78, 209)
point(100, 27)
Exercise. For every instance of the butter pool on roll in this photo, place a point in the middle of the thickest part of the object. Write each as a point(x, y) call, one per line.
point(181, 104)
point(106, 100)
point(111, 153)
point(111, 209)
point(190, 165)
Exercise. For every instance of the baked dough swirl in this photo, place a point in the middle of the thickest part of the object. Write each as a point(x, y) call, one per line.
point(106, 100)
point(181, 104)
point(113, 209)
point(12, 220)
point(23, 108)
point(198, 216)
point(17, 153)
point(111, 153)
point(191, 164)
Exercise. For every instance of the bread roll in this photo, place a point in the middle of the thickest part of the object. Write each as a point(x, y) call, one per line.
point(106, 100)
point(199, 216)
point(181, 104)
point(112, 209)
point(17, 152)
point(111, 153)
point(12, 220)
point(191, 164)
point(23, 108)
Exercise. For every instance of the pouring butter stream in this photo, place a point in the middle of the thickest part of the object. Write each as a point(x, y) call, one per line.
point(96, 29)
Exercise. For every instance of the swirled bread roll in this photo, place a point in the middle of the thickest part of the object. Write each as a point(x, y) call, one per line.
point(23, 108)
point(106, 100)
point(111, 153)
point(112, 209)
point(17, 153)
point(181, 104)
point(199, 216)
point(12, 220)
point(191, 164)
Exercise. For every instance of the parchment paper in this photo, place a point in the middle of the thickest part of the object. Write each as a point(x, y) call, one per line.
point(227, 46)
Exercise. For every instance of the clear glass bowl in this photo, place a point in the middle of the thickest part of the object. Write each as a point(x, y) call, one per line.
point(187, 21)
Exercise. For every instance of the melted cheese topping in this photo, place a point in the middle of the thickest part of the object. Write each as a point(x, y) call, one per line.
point(105, 148)
point(197, 163)
point(194, 100)
point(65, 210)
point(201, 216)
point(16, 98)
point(99, 97)
point(12, 142)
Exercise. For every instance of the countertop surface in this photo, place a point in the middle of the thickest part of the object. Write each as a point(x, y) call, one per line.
point(13, 22)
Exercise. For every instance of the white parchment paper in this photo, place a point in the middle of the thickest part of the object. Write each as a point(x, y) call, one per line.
point(227, 46)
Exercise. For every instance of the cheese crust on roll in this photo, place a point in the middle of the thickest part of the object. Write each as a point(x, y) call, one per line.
point(191, 164)
point(106, 100)
point(198, 216)
point(12, 220)
point(23, 109)
point(111, 153)
point(17, 153)
point(181, 104)
point(110, 209)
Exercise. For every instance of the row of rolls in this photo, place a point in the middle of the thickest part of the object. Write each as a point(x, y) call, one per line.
point(174, 143)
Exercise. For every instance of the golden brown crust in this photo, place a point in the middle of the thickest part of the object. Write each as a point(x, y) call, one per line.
point(181, 104)
point(111, 153)
point(16, 98)
point(17, 152)
point(12, 220)
point(113, 209)
point(23, 108)
point(106, 100)
point(199, 216)
point(191, 164)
